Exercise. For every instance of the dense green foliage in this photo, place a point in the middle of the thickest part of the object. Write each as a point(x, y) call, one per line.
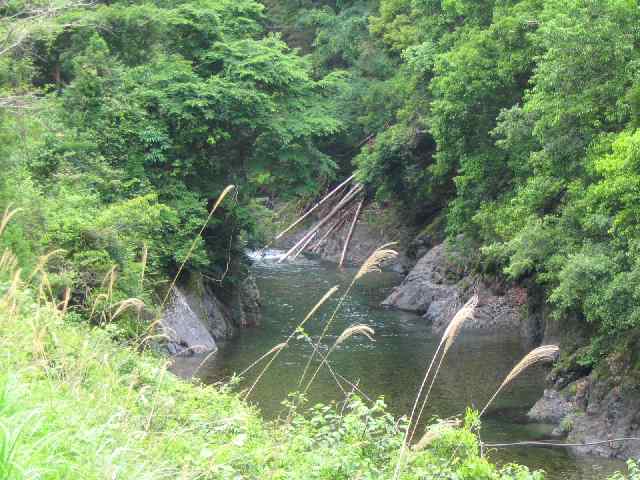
point(145, 112)
point(516, 119)
point(122, 121)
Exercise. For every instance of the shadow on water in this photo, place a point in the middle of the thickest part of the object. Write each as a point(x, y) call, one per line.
point(393, 365)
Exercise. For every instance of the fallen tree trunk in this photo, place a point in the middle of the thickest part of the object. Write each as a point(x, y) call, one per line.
point(350, 234)
point(316, 206)
point(347, 198)
point(333, 228)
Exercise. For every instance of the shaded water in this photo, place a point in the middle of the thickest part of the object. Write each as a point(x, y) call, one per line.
point(393, 365)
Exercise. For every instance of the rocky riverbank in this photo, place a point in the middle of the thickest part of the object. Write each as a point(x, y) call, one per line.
point(439, 284)
point(585, 405)
point(603, 404)
point(195, 319)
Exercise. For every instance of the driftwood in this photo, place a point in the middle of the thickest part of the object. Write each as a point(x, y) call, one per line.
point(305, 240)
point(317, 205)
point(304, 245)
point(337, 225)
point(350, 234)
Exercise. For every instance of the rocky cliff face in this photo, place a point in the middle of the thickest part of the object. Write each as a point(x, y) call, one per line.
point(438, 286)
point(195, 319)
point(601, 405)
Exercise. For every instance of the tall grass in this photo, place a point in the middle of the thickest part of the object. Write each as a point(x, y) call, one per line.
point(372, 264)
point(278, 348)
point(80, 406)
point(546, 353)
point(448, 337)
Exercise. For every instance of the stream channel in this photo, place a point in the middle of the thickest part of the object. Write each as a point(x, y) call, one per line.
point(392, 366)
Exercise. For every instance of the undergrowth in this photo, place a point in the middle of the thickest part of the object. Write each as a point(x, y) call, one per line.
point(75, 405)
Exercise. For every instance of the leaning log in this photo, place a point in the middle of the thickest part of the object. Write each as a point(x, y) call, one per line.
point(321, 202)
point(337, 225)
point(347, 198)
point(350, 234)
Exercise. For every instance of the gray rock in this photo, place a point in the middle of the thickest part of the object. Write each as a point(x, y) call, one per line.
point(592, 409)
point(551, 408)
point(196, 319)
point(430, 281)
point(246, 304)
point(215, 316)
point(185, 332)
point(437, 287)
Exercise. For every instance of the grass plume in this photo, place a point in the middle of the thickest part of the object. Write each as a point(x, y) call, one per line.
point(6, 217)
point(376, 260)
point(546, 353)
point(358, 329)
point(128, 304)
point(278, 348)
point(372, 264)
point(448, 337)
point(435, 431)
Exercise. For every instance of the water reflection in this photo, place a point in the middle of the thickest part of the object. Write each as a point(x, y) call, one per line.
point(392, 366)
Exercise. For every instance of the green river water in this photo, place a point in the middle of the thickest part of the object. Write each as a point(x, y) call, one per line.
point(393, 365)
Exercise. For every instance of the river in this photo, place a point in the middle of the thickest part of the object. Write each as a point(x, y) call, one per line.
point(392, 365)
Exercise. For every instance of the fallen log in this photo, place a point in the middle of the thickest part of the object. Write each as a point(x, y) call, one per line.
point(350, 234)
point(335, 227)
point(347, 198)
point(315, 207)
point(304, 245)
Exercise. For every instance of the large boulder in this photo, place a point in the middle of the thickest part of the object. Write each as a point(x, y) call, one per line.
point(195, 319)
point(433, 282)
point(184, 330)
point(439, 285)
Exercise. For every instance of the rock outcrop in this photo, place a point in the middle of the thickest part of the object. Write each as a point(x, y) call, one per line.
point(185, 331)
point(603, 405)
point(246, 304)
point(195, 319)
point(431, 285)
point(438, 286)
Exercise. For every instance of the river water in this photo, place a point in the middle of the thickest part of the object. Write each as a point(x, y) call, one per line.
point(392, 366)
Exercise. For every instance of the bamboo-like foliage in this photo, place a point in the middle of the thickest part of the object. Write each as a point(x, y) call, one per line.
point(546, 353)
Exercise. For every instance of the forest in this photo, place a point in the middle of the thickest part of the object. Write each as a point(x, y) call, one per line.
point(512, 126)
